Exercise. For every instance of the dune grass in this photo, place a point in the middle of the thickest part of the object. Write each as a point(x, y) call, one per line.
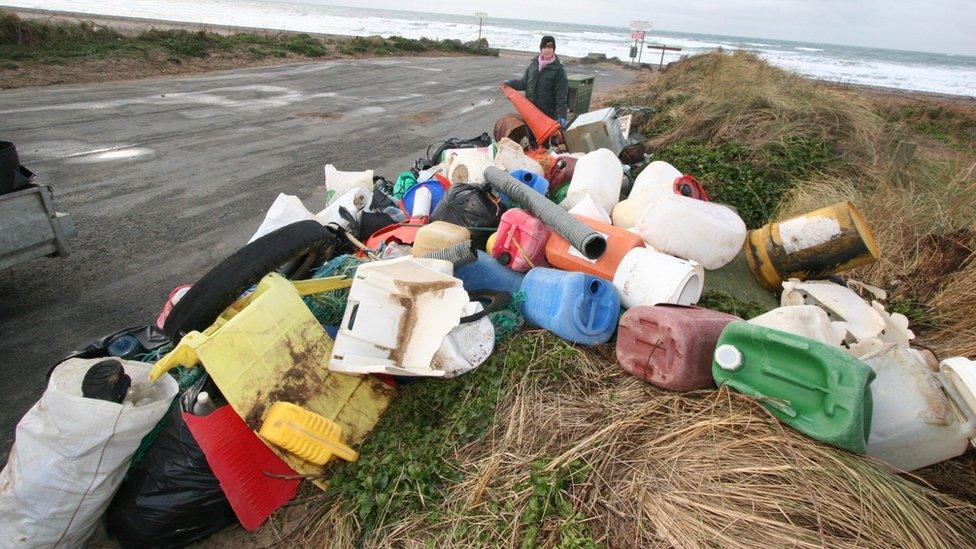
point(552, 445)
point(772, 143)
point(27, 42)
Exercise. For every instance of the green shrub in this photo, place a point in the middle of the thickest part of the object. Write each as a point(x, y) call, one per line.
point(304, 44)
point(753, 182)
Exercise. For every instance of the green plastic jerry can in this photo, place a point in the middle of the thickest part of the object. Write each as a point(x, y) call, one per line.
point(816, 388)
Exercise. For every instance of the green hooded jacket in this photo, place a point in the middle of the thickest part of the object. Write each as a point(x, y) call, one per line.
point(548, 90)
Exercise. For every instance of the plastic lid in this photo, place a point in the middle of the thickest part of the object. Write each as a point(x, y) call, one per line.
point(728, 357)
point(961, 373)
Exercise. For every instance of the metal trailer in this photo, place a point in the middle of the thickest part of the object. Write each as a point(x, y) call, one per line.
point(30, 227)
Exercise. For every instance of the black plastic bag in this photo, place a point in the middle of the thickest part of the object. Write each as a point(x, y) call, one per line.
point(472, 207)
point(483, 140)
point(171, 498)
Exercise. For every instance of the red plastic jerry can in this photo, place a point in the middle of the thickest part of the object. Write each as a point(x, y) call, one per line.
point(521, 241)
point(670, 346)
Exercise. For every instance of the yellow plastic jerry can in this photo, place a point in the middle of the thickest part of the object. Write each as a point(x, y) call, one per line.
point(268, 348)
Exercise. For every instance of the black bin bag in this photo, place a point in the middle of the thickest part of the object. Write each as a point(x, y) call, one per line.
point(171, 498)
point(472, 207)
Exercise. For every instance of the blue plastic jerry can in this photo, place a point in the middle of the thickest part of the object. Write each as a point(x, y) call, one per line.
point(488, 274)
point(576, 307)
point(538, 183)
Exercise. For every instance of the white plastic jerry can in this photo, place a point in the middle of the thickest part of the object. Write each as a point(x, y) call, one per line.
point(920, 417)
point(706, 232)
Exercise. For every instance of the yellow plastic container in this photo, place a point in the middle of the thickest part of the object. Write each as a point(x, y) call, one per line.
point(829, 240)
point(438, 235)
point(305, 434)
point(491, 242)
point(268, 347)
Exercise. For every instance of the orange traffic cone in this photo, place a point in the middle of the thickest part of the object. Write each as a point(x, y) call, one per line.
point(542, 126)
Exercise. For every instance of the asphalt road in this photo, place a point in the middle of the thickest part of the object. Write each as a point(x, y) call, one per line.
point(166, 177)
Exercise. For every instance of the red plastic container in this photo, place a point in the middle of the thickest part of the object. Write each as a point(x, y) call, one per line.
point(670, 346)
point(521, 241)
point(250, 474)
point(619, 241)
point(561, 171)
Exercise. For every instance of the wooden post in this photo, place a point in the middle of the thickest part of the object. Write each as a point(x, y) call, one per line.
point(904, 154)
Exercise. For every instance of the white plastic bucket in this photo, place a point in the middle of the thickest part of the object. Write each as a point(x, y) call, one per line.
point(808, 321)
point(398, 313)
point(589, 208)
point(646, 277)
point(706, 232)
point(598, 174)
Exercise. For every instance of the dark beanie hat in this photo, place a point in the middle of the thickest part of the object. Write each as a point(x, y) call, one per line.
point(547, 40)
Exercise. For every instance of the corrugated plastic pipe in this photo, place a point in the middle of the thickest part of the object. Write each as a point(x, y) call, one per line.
point(591, 243)
point(459, 254)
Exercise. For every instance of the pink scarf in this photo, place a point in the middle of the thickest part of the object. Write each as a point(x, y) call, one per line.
point(543, 63)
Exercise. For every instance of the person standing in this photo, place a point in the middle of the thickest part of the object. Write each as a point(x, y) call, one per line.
point(545, 83)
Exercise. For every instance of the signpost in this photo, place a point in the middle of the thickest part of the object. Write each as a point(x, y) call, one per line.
point(663, 48)
point(481, 19)
point(639, 29)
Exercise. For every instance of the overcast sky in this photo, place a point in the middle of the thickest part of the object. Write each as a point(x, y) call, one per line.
point(946, 26)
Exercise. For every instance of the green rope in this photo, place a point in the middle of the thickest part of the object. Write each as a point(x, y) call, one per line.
point(508, 319)
point(329, 307)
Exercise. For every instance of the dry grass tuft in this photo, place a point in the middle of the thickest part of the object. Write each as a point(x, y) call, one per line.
point(738, 97)
point(624, 464)
point(925, 226)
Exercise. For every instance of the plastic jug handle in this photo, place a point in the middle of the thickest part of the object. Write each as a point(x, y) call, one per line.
point(960, 404)
point(584, 325)
point(495, 300)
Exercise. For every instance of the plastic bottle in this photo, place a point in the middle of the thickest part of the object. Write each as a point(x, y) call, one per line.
point(808, 321)
point(655, 176)
point(561, 255)
point(521, 240)
point(817, 389)
point(589, 208)
point(203, 405)
point(670, 346)
point(709, 233)
point(467, 165)
point(124, 346)
point(574, 306)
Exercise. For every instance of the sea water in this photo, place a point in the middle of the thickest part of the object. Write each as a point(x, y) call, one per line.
point(930, 72)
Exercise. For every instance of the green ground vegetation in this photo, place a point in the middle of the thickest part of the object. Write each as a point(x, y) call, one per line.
point(26, 42)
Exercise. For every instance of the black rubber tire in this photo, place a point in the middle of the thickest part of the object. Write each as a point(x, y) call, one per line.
point(297, 246)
